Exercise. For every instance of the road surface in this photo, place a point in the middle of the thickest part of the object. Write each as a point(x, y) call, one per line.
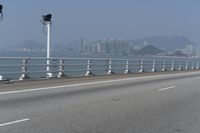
point(166, 103)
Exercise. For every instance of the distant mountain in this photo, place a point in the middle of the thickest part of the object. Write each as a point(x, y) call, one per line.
point(179, 54)
point(36, 46)
point(29, 44)
point(33, 48)
point(150, 50)
point(168, 43)
point(71, 45)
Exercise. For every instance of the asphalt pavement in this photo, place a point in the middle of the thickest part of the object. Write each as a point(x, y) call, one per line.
point(160, 103)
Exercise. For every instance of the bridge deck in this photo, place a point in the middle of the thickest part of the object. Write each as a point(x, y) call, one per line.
point(139, 103)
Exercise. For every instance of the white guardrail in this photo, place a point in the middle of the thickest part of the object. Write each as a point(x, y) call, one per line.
point(26, 68)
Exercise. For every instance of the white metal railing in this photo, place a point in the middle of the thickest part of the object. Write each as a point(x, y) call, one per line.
point(26, 68)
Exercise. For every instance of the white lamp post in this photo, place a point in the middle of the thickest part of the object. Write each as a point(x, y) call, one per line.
point(49, 74)
point(46, 20)
point(1, 8)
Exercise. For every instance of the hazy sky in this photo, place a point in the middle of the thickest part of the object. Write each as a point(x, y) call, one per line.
point(97, 19)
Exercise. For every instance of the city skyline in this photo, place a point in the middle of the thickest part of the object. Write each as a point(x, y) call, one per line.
point(157, 46)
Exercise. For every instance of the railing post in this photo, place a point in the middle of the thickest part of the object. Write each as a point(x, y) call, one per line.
point(24, 70)
point(186, 65)
point(172, 69)
point(1, 77)
point(164, 66)
point(110, 68)
point(197, 65)
point(180, 66)
point(141, 66)
point(154, 66)
point(61, 69)
point(49, 74)
point(127, 67)
point(192, 68)
point(89, 68)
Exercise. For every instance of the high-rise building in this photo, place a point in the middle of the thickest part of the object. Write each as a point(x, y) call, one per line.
point(106, 46)
point(84, 47)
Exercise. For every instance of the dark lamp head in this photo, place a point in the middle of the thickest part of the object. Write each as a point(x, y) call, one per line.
point(1, 7)
point(47, 18)
point(1, 12)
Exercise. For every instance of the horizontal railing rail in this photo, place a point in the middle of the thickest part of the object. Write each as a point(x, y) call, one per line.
point(25, 67)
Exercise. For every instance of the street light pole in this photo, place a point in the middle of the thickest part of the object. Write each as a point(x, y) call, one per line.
point(49, 74)
point(1, 18)
point(46, 20)
point(48, 40)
